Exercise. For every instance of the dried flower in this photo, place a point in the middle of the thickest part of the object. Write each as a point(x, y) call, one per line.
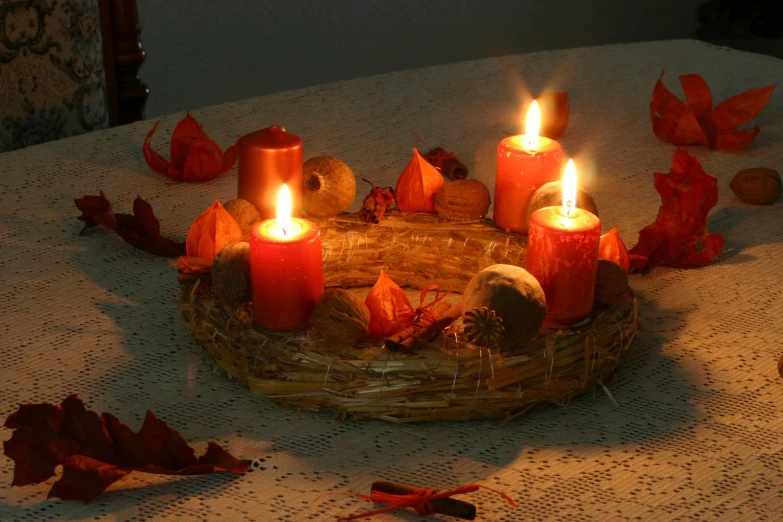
point(417, 186)
point(390, 309)
point(211, 231)
point(613, 249)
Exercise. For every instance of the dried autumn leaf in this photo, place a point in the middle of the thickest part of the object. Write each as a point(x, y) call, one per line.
point(211, 231)
point(141, 230)
point(613, 249)
point(96, 451)
point(554, 113)
point(417, 185)
point(697, 122)
point(194, 157)
point(679, 235)
point(390, 309)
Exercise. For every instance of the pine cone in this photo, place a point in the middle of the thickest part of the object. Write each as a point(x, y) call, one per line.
point(483, 327)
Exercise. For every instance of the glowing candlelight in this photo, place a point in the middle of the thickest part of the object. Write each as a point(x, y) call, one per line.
point(524, 163)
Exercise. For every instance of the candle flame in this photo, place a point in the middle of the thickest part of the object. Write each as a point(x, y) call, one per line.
point(569, 188)
point(284, 210)
point(532, 125)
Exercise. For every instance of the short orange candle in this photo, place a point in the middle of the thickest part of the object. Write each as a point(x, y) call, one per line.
point(286, 271)
point(524, 163)
point(562, 253)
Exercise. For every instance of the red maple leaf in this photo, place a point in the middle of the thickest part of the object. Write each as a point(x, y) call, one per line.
point(141, 229)
point(698, 122)
point(194, 157)
point(679, 235)
point(97, 450)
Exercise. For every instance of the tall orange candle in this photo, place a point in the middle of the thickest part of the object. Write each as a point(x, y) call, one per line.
point(286, 272)
point(524, 163)
point(268, 158)
point(562, 253)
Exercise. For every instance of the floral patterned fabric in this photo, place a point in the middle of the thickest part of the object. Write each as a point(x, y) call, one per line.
point(52, 79)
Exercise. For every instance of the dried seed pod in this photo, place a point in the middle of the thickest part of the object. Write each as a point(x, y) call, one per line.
point(483, 327)
point(211, 231)
point(611, 283)
point(515, 296)
point(231, 273)
point(758, 186)
point(417, 186)
point(612, 248)
point(340, 316)
point(329, 186)
point(244, 213)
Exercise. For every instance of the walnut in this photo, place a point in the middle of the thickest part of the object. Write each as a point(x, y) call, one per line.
point(340, 316)
point(231, 273)
point(462, 200)
point(758, 186)
point(611, 283)
point(244, 213)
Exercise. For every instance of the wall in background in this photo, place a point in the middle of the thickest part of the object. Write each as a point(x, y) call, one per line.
point(214, 51)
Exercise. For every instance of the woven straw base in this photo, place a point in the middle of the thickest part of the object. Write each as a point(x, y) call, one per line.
point(448, 379)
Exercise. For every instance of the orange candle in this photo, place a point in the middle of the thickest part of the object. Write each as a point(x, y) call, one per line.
point(562, 253)
point(286, 272)
point(524, 163)
point(267, 159)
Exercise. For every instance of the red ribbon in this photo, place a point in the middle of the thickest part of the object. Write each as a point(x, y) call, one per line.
point(420, 500)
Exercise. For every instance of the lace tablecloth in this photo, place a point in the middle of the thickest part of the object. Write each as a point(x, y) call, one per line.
point(697, 431)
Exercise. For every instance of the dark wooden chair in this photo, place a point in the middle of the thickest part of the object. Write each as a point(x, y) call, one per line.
point(68, 68)
point(123, 55)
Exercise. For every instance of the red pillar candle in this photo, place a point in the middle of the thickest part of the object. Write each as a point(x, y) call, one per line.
point(562, 253)
point(286, 272)
point(267, 159)
point(524, 163)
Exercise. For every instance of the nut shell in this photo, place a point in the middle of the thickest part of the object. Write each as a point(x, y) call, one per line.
point(462, 200)
point(244, 213)
point(340, 316)
point(231, 273)
point(551, 194)
point(515, 296)
point(611, 283)
point(758, 186)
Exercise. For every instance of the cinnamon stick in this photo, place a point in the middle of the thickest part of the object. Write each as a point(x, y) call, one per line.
point(408, 341)
point(444, 506)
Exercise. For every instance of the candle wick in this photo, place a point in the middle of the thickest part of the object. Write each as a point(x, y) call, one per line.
point(570, 207)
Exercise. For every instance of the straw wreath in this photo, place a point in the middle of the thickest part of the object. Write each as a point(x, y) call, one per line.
point(449, 379)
